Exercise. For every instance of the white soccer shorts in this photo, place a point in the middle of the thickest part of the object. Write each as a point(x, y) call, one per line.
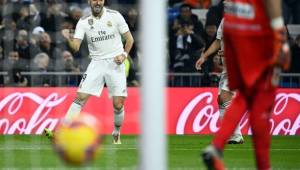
point(223, 83)
point(104, 71)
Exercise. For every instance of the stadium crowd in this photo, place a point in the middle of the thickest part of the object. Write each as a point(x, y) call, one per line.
point(32, 48)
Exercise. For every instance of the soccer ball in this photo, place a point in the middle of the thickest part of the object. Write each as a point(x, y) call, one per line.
point(77, 142)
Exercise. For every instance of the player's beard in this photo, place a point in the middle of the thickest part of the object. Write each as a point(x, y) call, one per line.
point(97, 10)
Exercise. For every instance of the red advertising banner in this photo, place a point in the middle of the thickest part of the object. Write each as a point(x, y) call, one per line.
point(195, 111)
point(189, 111)
point(30, 110)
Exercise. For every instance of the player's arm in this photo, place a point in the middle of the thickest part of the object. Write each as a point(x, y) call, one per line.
point(273, 8)
point(214, 47)
point(281, 48)
point(74, 43)
point(126, 35)
point(128, 45)
point(128, 41)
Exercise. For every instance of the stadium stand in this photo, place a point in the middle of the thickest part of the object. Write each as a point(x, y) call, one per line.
point(32, 28)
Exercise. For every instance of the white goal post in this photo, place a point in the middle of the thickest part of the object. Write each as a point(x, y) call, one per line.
point(153, 63)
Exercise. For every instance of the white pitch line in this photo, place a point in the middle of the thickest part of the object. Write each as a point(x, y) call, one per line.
point(9, 148)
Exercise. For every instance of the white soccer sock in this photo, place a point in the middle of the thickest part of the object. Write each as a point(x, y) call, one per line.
point(118, 119)
point(223, 107)
point(74, 111)
point(237, 130)
point(221, 110)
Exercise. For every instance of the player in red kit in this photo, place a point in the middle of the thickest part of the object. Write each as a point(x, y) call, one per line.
point(255, 50)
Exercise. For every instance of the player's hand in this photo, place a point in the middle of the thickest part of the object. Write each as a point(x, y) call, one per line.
point(200, 61)
point(67, 33)
point(120, 59)
point(282, 55)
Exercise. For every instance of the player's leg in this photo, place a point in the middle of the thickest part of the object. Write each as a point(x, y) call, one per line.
point(118, 103)
point(212, 158)
point(75, 108)
point(224, 100)
point(231, 119)
point(260, 121)
point(117, 85)
point(234, 112)
point(73, 111)
point(212, 155)
point(92, 83)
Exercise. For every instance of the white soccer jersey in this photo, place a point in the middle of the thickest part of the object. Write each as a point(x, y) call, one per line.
point(220, 37)
point(220, 34)
point(103, 34)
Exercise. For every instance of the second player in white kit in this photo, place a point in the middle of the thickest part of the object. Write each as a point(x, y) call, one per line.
point(103, 30)
point(224, 94)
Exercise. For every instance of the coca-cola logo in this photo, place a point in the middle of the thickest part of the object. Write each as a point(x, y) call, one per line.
point(285, 117)
point(13, 119)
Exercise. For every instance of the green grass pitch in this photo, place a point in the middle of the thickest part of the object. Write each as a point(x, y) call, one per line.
point(35, 152)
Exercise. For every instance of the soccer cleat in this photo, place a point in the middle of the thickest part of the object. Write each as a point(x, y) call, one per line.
point(48, 133)
point(236, 139)
point(212, 158)
point(116, 138)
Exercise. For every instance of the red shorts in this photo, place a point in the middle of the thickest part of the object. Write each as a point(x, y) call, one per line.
point(247, 59)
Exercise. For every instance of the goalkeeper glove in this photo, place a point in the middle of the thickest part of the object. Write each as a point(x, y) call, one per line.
point(282, 56)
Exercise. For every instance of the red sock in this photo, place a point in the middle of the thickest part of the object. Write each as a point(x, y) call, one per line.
point(232, 117)
point(260, 125)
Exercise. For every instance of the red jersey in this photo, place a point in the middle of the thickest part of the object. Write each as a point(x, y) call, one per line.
point(246, 17)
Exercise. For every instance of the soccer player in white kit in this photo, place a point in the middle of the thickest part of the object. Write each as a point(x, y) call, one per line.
point(103, 30)
point(224, 94)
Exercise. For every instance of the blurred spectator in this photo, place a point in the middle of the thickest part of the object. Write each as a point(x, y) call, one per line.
point(10, 8)
point(8, 33)
point(54, 16)
point(14, 65)
point(213, 19)
point(132, 21)
point(210, 31)
point(209, 36)
point(23, 21)
point(25, 49)
point(29, 17)
point(215, 13)
point(291, 11)
point(67, 24)
point(217, 63)
point(35, 35)
point(186, 16)
point(295, 50)
point(46, 46)
point(34, 16)
point(75, 14)
point(40, 63)
point(66, 63)
point(185, 40)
